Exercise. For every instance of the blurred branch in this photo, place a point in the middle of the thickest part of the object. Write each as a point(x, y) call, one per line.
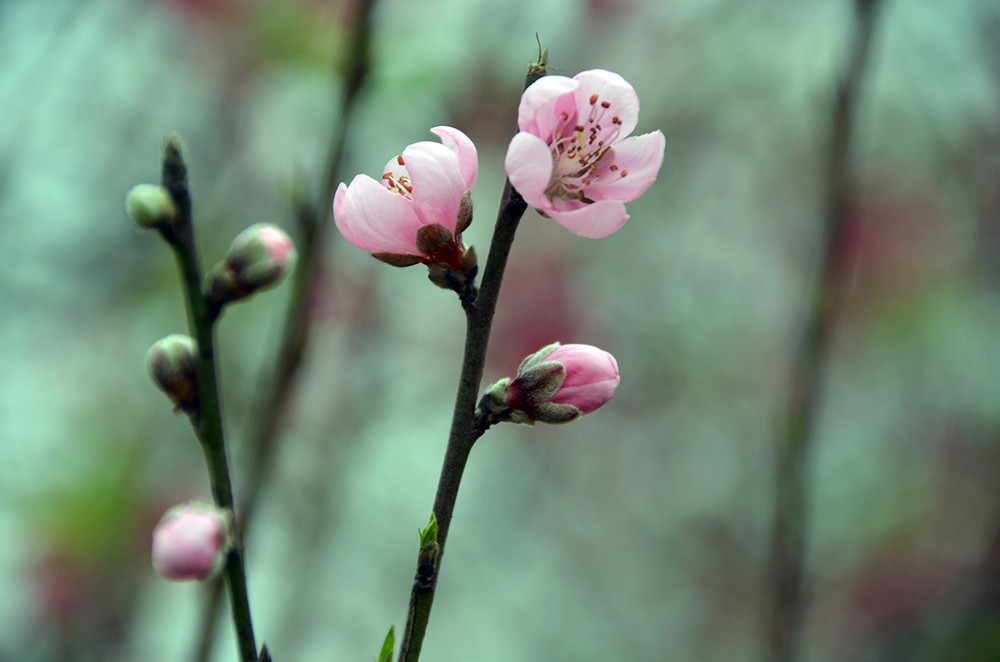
point(207, 418)
point(313, 221)
point(787, 548)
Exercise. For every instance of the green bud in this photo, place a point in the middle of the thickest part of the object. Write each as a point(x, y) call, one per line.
point(172, 362)
point(429, 535)
point(259, 258)
point(150, 206)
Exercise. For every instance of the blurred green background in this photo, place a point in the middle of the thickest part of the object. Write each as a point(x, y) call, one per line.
point(639, 533)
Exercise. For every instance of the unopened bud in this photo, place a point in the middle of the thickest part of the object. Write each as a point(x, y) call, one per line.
point(150, 206)
point(172, 362)
point(191, 542)
point(556, 384)
point(258, 259)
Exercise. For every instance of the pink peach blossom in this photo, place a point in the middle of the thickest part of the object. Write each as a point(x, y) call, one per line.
point(190, 542)
point(423, 186)
point(573, 159)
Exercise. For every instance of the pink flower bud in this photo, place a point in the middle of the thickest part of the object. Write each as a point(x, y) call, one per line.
point(591, 377)
point(258, 259)
point(191, 542)
point(556, 384)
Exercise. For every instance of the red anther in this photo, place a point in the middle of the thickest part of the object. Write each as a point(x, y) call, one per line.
point(593, 99)
point(387, 175)
point(399, 160)
point(624, 173)
point(605, 104)
point(578, 127)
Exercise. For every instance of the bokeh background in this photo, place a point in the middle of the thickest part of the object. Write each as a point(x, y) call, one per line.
point(639, 533)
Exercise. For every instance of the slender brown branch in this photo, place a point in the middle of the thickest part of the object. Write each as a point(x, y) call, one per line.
point(788, 539)
point(464, 432)
point(207, 420)
point(313, 221)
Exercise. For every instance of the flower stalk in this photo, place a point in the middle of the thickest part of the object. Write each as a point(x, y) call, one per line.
point(464, 430)
point(207, 419)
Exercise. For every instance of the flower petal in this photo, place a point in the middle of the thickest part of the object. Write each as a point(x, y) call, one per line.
point(612, 89)
point(594, 221)
point(637, 162)
point(375, 219)
point(437, 183)
point(592, 376)
point(529, 166)
point(543, 102)
point(464, 149)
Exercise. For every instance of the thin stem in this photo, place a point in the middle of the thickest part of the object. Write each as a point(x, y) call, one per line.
point(788, 548)
point(207, 419)
point(313, 222)
point(464, 431)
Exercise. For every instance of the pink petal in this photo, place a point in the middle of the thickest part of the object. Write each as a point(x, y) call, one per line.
point(594, 221)
point(375, 219)
point(610, 88)
point(542, 103)
point(640, 157)
point(529, 166)
point(591, 376)
point(437, 181)
point(464, 149)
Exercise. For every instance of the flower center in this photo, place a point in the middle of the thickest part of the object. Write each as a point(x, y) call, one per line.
point(397, 180)
point(578, 149)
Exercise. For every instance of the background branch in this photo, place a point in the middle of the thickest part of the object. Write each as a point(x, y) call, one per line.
point(312, 221)
point(787, 548)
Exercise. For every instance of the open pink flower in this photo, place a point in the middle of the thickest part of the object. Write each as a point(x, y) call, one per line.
point(573, 160)
point(423, 187)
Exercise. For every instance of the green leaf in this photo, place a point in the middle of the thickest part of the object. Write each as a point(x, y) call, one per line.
point(388, 646)
point(429, 535)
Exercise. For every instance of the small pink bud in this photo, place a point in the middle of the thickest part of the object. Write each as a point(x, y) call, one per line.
point(258, 259)
point(556, 384)
point(191, 542)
